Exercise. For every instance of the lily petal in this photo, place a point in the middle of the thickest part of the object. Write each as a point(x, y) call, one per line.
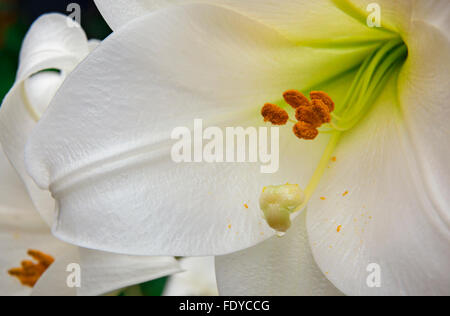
point(49, 44)
point(21, 229)
point(278, 266)
point(197, 279)
point(102, 273)
point(387, 193)
point(117, 186)
point(321, 18)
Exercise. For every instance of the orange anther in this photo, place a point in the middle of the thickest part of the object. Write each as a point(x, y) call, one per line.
point(274, 114)
point(296, 99)
point(30, 272)
point(304, 130)
point(325, 98)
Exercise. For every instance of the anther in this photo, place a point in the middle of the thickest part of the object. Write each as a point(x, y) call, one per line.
point(29, 272)
point(274, 114)
point(296, 99)
point(305, 130)
point(325, 98)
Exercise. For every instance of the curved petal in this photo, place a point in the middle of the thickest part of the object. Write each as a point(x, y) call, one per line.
point(279, 266)
point(388, 190)
point(197, 279)
point(21, 229)
point(49, 44)
point(117, 187)
point(101, 272)
point(303, 21)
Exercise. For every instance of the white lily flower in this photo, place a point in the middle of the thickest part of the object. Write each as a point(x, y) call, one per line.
point(103, 147)
point(197, 279)
point(50, 44)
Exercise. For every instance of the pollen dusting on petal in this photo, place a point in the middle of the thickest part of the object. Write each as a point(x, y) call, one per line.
point(325, 98)
point(338, 229)
point(305, 131)
point(30, 272)
point(274, 114)
point(246, 206)
point(296, 99)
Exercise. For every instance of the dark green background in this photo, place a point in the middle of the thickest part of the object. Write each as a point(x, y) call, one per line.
point(16, 16)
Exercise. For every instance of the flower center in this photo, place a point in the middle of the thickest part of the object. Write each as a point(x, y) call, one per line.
point(30, 272)
point(367, 85)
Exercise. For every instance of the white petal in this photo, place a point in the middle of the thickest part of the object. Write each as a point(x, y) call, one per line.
point(396, 212)
point(103, 147)
point(101, 272)
point(298, 20)
point(279, 266)
point(54, 282)
point(53, 40)
point(21, 229)
point(93, 44)
point(197, 279)
point(50, 44)
point(40, 88)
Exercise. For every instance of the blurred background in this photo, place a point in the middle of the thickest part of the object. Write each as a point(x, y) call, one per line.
point(16, 16)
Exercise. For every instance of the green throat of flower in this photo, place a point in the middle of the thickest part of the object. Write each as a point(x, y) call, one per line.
point(369, 82)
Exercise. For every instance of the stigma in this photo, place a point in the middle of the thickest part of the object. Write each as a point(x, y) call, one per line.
point(278, 203)
point(310, 114)
point(30, 272)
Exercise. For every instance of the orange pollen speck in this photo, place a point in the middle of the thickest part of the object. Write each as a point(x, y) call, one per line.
point(333, 159)
point(30, 272)
point(323, 198)
point(296, 99)
point(345, 193)
point(338, 229)
point(246, 205)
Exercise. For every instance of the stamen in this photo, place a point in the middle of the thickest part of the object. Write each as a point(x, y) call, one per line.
point(278, 203)
point(296, 99)
point(310, 114)
point(30, 272)
point(315, 115)
point(325, 98)
point(274, 114)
